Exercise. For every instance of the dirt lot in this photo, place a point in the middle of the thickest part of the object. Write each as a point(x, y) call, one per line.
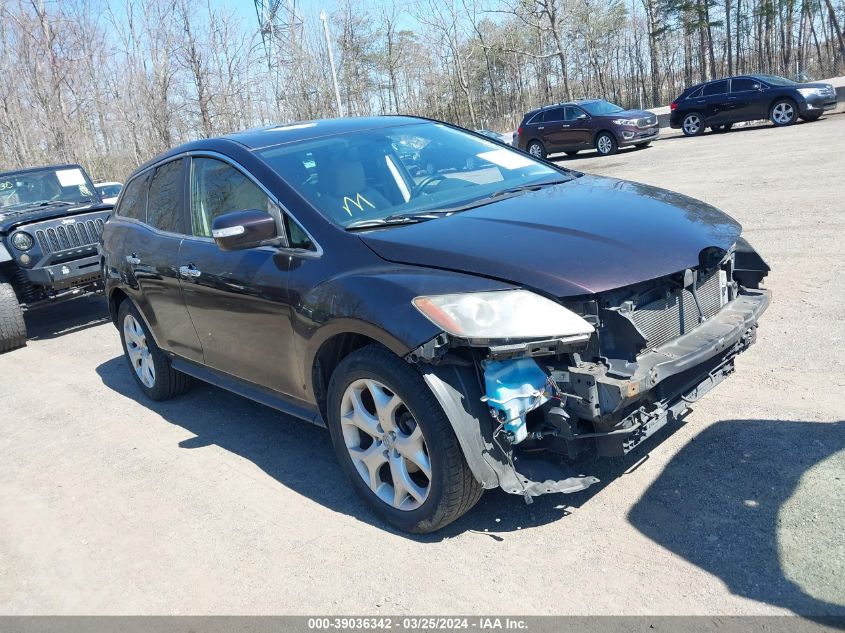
point(213, 504)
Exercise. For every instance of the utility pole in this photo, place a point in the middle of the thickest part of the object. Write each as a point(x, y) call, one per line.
point(331, 61)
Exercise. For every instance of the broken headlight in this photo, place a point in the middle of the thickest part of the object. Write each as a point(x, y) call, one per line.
point(502, 314)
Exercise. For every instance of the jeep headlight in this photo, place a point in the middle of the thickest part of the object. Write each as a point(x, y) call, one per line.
point(810, 92)
point(502, 314)
point(22, 241)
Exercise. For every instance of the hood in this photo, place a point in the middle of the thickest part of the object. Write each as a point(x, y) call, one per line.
point(582, 237)
point(628, 114)
point(11, 218)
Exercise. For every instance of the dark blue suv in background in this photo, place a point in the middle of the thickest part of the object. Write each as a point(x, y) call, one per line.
point(721, 103)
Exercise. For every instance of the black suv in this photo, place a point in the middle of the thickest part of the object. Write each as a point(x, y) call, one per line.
point(584, 124)
point(51, 219)
point(455, 331)
point(721, 103)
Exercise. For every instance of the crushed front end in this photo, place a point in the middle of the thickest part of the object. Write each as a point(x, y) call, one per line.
point(529, 408)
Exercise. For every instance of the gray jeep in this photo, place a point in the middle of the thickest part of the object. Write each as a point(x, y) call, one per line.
point(50, 224)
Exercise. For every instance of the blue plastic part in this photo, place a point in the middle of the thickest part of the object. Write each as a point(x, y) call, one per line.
point(515, 387)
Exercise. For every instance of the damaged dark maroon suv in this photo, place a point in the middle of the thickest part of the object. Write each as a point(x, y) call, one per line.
point(457, 331)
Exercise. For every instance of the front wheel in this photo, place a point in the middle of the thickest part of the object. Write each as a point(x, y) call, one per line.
point(396, 444)
point(12, 325)
point(783, 113)
point(150, 367)
point(536, 149)
point(693, 124)
point(606, 144)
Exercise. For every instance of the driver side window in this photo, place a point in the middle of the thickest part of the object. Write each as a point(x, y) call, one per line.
point(218, 188)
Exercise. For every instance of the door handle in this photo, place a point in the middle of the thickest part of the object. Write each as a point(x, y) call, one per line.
point(189, 271)
point(731, 98)
point(564, 125)
point(132, 259)
point(701, 101)
point(541, 127)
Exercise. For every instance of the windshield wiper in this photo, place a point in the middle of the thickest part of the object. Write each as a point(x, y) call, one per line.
point(536, 186)
point(409, 218)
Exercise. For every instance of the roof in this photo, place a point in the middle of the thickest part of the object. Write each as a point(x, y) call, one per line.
point(306, 130)
point(41, 168)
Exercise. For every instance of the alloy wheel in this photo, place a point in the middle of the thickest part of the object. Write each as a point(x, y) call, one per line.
point(692, 124)
point(535, 150)
point(138, 351)
point(605, 145)
point(386, 444)
point(783, 113)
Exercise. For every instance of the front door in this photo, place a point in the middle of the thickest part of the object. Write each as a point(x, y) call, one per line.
point(747, 101)
point(238, 300)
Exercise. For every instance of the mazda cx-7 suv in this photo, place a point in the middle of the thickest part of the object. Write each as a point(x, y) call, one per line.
point(457, 331)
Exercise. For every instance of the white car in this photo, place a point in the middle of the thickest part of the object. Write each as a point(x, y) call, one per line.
point(109, 191)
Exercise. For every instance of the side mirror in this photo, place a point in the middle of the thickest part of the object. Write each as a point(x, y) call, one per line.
point(581, 117)
point(243, 229)
point(758, 86)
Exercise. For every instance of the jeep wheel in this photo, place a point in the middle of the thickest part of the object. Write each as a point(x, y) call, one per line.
point(395, 443)
point(12, 326)
point(150, 366)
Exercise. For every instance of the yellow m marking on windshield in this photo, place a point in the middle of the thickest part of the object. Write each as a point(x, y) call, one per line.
point(359, 202)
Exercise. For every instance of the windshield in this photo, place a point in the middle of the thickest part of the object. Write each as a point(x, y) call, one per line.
point(49, 185)
point(600, 108)
point(774, 80)
point(402, 170)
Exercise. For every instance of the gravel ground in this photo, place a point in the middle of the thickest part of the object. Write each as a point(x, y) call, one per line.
point(213, 504)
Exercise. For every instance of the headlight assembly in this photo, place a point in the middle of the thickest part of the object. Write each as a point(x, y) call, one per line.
point(625, 121)
point(810, 92)
point(503, 314)
point(22, 241)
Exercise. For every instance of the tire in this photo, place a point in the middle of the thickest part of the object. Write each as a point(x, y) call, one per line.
point(692, 124)
point(784, 112)
point(12, 325)
point(573, 152)
point(642, 145)
point(536, 149)
point(142, 355)
point(606, 144)
point(449, 489)
point(809, 118)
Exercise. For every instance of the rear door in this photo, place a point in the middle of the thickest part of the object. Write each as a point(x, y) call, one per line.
point(716, 104)
point(555, 130)
point(152, 206)
point(238, 300)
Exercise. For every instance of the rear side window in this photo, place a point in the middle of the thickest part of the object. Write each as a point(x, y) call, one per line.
point(695, 93)
point(164, 204)
point(744, 84)
point(716, 88)
point(134, 202)
point(555, 114)
point(218, 188)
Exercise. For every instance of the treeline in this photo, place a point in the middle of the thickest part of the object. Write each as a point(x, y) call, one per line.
point(110, 84)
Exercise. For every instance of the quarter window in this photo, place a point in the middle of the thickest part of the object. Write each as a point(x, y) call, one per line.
point(133, 204)
point(716, 88)
point(218, 188)
point(164, 206)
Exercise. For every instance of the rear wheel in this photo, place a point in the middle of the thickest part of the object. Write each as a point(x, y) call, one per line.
point(150, 366)
point(783, 113)
point(395, 443)
point(693, 124)
point(536, 149)
point(606, 144)
point(12, 325)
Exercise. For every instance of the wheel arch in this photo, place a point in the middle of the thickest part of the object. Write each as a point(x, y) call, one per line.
point(601, 131)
